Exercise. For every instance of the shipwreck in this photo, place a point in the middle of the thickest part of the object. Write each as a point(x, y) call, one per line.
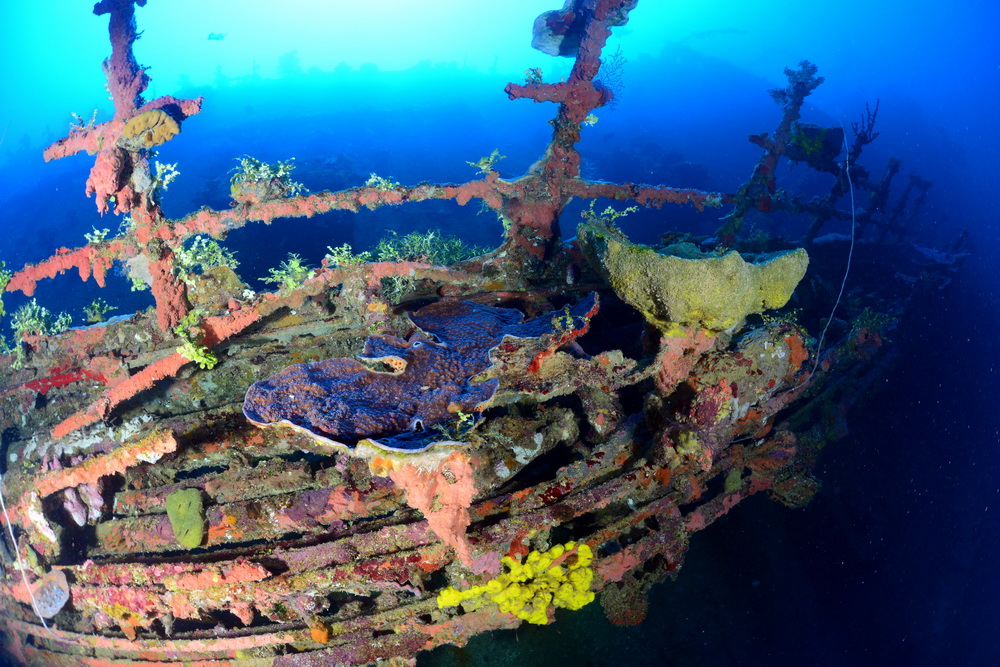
point(377, 458)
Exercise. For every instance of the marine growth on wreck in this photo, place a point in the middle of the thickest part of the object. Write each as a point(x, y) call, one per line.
point(376, 458)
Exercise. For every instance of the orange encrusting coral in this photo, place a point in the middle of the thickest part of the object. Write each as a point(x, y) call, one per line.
point(443, 494)
point(146, 450)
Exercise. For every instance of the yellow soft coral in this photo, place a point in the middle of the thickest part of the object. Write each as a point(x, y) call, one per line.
point(559, 577)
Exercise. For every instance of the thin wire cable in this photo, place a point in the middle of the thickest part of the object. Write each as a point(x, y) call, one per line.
point(850, 256)
point(20, 563)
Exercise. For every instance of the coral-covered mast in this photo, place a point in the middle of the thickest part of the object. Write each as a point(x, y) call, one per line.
point(760, 191)
point(535, 218)
point(531, 203)
point(120, 175)
point(581, 28)
point(126, 79)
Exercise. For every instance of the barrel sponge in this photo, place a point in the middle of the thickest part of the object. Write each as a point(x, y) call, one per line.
point(683, 286)
point(148, 129)
point(186, 512)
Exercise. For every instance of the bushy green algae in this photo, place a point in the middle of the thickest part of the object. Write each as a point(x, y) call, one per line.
point(186, 512)
point(687, 287)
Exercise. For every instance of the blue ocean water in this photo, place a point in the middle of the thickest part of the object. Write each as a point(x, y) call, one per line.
point(895, 559)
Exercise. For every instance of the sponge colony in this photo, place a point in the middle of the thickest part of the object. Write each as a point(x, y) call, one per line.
point(686, 287)
point(148, 129)
point(559, 577)
point(186, 512)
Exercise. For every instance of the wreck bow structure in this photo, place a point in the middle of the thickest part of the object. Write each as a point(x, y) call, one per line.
point(383, 457)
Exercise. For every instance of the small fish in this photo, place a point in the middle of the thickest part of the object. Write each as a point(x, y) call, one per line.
point(216, 35)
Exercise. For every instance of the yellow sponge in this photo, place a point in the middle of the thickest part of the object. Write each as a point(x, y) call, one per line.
point(559, 577)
